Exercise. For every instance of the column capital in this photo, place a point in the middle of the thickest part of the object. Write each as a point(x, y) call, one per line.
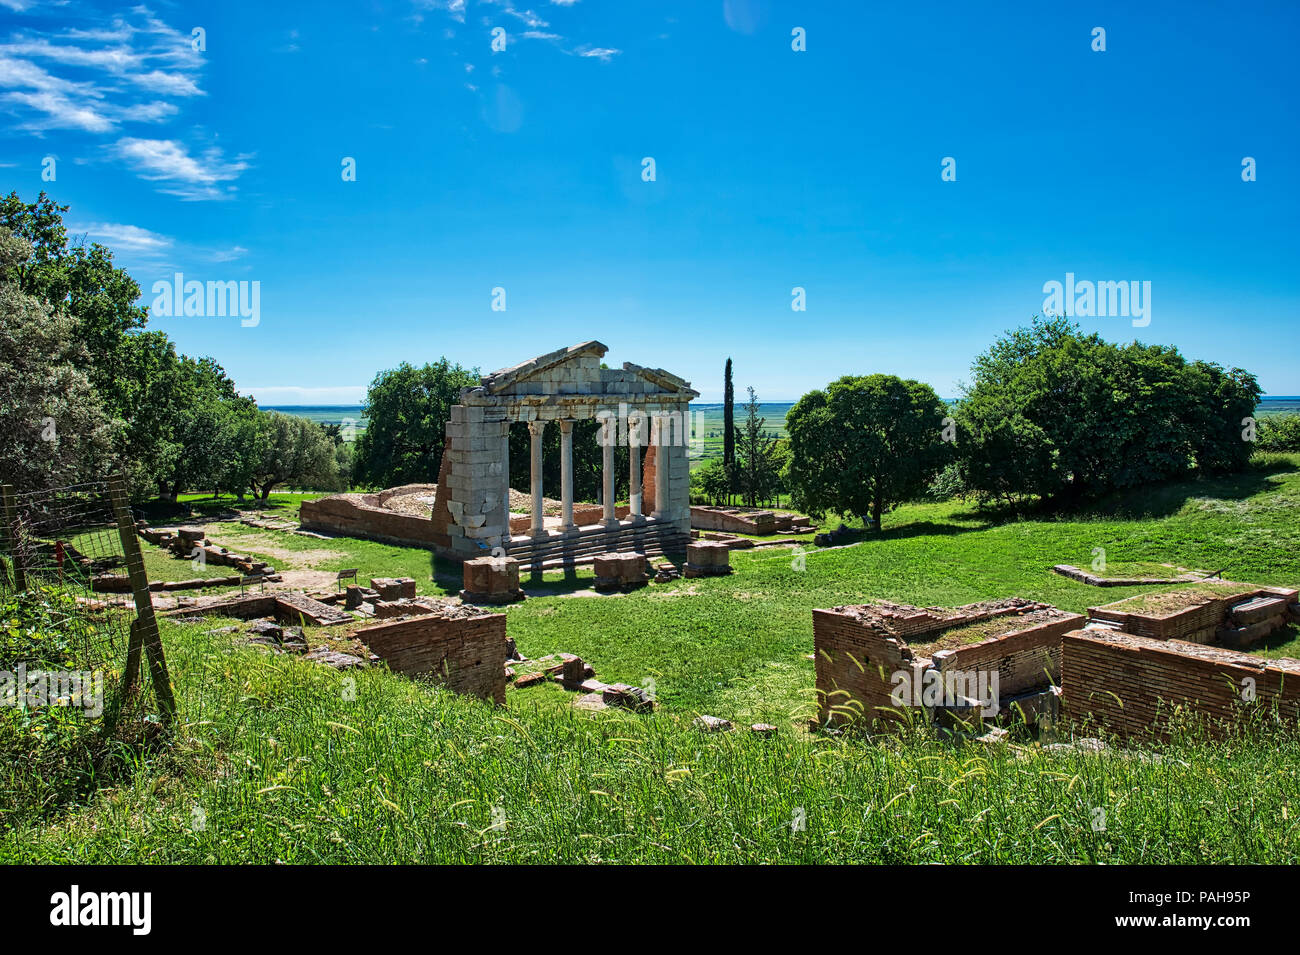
point(536, 427)
point(566, 425)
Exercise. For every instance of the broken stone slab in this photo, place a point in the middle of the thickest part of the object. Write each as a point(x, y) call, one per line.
point(590, 701)
point(711, 724)
point(629, 697)
point(353, 598)
point(763, 729)
point(529, 679)
point(573, 673)
point(335, 659)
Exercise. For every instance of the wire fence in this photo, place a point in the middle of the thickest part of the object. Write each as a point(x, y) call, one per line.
point(77, 628)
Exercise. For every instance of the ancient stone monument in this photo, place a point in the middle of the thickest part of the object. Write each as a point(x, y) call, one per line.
point(636, 406)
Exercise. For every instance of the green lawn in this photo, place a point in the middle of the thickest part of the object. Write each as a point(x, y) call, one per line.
point(282, 760)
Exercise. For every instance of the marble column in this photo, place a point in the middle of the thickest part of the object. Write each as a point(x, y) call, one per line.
point(661, 467)
point(634, 467)
point(608, 440)
point(535, 429)
point(566, 476)
point(505, 481)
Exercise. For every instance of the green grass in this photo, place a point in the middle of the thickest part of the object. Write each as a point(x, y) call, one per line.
point(286, 762)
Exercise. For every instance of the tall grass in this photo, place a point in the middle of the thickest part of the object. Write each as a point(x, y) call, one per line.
point(292, 762)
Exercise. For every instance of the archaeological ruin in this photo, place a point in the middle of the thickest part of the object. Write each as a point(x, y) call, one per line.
point(1117, 669)
point(471, 516)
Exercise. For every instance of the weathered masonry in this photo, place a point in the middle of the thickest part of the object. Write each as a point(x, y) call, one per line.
point(639, 407)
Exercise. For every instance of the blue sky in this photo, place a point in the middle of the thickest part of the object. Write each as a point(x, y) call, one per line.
point(774, 169)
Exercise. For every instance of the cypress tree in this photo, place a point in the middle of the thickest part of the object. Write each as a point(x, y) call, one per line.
point(729, 424)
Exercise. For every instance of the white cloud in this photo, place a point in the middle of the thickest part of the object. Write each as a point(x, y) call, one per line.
point(603, 53)
point(61, 112)
point(229, 255)
point(99, 77)
point(124, 238)
point(170, 162)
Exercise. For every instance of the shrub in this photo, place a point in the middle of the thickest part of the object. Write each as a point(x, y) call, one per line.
point(1279, 433)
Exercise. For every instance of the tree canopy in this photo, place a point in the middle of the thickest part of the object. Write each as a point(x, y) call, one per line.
point(864, 444)
point(407, 410)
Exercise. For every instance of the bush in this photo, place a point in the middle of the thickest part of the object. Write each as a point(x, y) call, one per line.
point(1057, 414)
point(1279, 433)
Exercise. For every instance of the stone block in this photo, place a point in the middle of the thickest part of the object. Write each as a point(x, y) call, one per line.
point(707, 559)
point(491, 580)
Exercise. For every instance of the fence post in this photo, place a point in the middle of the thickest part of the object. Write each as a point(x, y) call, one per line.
point(144, 631)
point(11, 535)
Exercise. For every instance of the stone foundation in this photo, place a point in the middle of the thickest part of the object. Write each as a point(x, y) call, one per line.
point(743, 520)
point(620, 571)
point(364, 516)
point(860, 652)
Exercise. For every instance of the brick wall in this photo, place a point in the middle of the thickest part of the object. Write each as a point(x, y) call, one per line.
point(1024, 661)
point(354, 515)
point(856, 661)
point(1128, 684)
point(465, 654)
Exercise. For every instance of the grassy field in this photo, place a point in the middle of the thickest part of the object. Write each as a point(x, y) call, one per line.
point(283, 760)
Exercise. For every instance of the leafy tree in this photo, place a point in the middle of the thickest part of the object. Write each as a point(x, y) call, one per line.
point(711, 482)
point(864, 445)
point(81, 281)
point(408, 409)
point(53, 429)
point(756, 461)
point(1060, 415)
point(295, 450)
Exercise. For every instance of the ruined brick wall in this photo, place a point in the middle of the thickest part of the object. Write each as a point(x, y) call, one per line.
point(1129, 684)
point(856, 661)
point(465, 653)
point(854, 665)
point(359, 515)
point(1197, 623)
point(1024, 661)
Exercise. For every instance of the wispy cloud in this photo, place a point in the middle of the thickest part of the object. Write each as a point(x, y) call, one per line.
point(603, 53)
point(125, 238)
point(169, 162)
point(101, 78)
